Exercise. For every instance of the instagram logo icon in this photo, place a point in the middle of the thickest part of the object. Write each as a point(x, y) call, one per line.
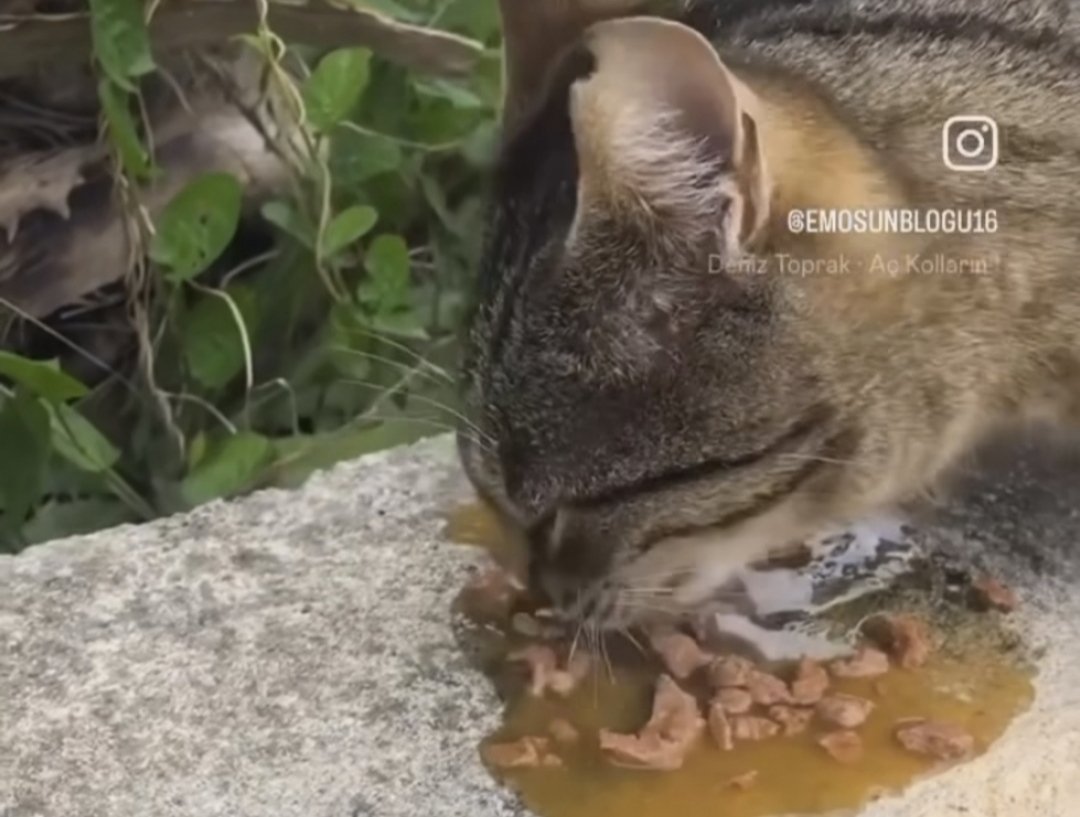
point(970, 144)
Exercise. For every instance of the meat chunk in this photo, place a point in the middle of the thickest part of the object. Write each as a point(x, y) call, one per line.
point(675, 714)
point(491, 594)
point(810, 683)
point(943, 741)
point(730, 671)
point(662, 745)
point(647, 752)
point(767, 690)
point(844, 746)
point(905, 638)
point(564, 682)
point(865, 663)
point(680, 653)
point(542, 663)
point(564, 732)
point(793, 720)
point(845, 711)
point(734, 701)
point(720, 727)
point(545, 673)
point(744, 781)
point(753, 728)
point(526, 625)
point(525, 753)
point(990, 594)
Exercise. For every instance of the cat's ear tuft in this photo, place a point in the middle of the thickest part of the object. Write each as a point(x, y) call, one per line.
point(663, 134)
point(535, 34)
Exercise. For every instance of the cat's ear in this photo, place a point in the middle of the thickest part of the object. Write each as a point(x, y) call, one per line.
point(535, 33)
point(664, 134)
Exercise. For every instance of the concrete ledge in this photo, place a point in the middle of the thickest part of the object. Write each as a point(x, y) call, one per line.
point(291, 655)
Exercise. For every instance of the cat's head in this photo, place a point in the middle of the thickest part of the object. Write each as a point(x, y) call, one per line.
point(636, 404)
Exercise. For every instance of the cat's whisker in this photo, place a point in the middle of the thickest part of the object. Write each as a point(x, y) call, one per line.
point(427, 364)
point(594, 642)
point(577, 638)
point(417, 370)
point(482, 436)
point(637, 606)
point(606, 656)
point(814, 458)
point(483, 446)
point(457, 415)
point(629, 636)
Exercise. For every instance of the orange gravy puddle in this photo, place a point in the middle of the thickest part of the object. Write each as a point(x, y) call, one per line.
point(981, 691)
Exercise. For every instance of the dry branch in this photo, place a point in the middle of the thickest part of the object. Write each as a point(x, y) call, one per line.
point(30, 43)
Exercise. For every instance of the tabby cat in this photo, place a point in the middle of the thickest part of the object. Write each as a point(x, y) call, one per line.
point(665, 377)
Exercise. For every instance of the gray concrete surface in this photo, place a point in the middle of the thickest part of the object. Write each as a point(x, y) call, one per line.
point(291, 655)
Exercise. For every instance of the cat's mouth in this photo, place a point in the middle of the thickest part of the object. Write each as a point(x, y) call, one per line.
point(609, 606)
point(771, 607)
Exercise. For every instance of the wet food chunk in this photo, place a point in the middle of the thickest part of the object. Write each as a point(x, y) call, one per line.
point(906, 638)
point(793, 720)
point(990, 594)
point(753, 728)
point(662, 745)
point(680, 653)
point(544, 671)
point(845, 711)
point(744, 781)
point(734, 701)
point(810, 683)
point(844, 746)
point(767, 690)
point(525, 753)
point(720, 728)
point(730, 671)
point(867, 662)
point(564, 732)
point(943, 741)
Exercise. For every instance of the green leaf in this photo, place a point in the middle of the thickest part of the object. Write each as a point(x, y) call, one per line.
point(56, 520)
point(407, 325)
point(348, 227)
point(229, 467)
point(481, 146)
point(43, 378)
point(388, 99)
point(121, 42)
point(212, 345)
point(284, 216)
point(122, 131)
point(477, 18)
point(77, 440)
point(24, 439)
point(198, 225)
point(457, 95)
point(197, 450)
point(387, 7)
point(356, 157)
point(387, 263)
point(335, 87)
point(436, 199)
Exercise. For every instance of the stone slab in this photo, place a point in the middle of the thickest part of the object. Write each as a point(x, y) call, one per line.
point(292, 655)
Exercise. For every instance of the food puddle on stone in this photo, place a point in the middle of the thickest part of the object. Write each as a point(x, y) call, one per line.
point(978, 688)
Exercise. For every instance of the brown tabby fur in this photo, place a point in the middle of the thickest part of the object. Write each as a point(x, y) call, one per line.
point(651, 396)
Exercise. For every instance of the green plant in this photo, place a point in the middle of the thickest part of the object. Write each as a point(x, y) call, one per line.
point(256, 366)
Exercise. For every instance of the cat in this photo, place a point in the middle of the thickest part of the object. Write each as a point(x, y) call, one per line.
point(665, 375)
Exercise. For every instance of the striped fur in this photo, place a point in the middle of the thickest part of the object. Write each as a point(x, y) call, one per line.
point(667, 422)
